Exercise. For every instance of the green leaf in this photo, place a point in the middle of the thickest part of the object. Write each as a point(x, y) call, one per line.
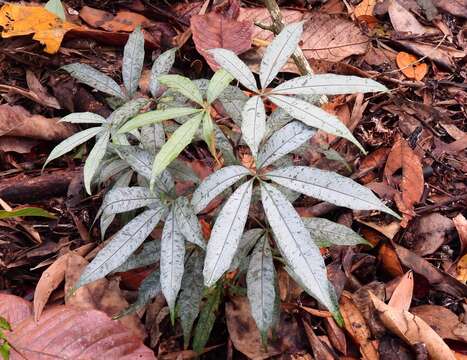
point(161, 65)
point(126, 111)
point(327, 84)
point(226, 234)
point(254, 123)
point(184, 86)
point(73, 141)
point(94, 159)
point(279, 51)
point(122, 245)
point(94, 78)
point(206, 320)
point(175, 145)
point(188, 223)
point(5, 351)
point(228, 60)
point(215, 184)
point(172, 260)
point(326, 233)
point(83, 118)
point(208, 133)
point(4, 324)
point(156, 116)
point(56, 7)
point(328, 186)
point(148, 255)
point(284, 141)
point(261, 287)
point(28, 211)
point(314, 116)
point(218, 83)
point(191, 295)
point(299, 251)
point(133, 60)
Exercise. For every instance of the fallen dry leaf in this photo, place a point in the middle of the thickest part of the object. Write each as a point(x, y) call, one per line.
point(412, 182)
point(17, 121)
point(41, 95)
point(403, 21)
point(430, 233)
point(455, 7)
point(320, 349)
point(18, 20)
point(215, 30)
point(366, 7)
point(125, 21)
point(407, 63)
point(390, 261)
point(412, 330)
point(402, 295)
point(460, 222)
point(14, 309)
point(462, 269)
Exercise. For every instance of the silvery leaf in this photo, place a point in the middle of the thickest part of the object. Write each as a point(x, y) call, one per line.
point(161, 65)
point(148, 255)
point(187, 222)
point(94, 159)
point(133, 60)
point(233, 100)
point(83, 118)
point(247, 242)
point(126, 111)
point(254, 123)
point(152, 137)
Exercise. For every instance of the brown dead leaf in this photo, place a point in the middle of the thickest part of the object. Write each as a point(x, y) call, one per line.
point(18, 20)
point(125, 21)
point(40, 92)
point(412, 182)
point(366, 7)
point(320, 349)
point(455, 7)
point(462, 269)
point(412, 330)
point(17, 121)
point(403, 21)
point(390, 261)
point(14, 309)
point(215, 30)
point(429, 233)
point(460, 222)
point(335, 334)
point(407, 63)
point(402, 295)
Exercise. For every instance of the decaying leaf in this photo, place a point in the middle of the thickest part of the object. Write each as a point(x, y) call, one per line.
point(14, 309)
point(430, 233)
point(403, 20)
point(402, 295)
point(365, 8)
point(409, 66)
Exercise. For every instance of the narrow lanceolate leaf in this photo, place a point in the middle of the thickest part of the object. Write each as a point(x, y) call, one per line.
point(94, 159)
point(172, 260)
point(83, 118)
point(175, 145)
point(328, 186)
point(94, 78)
point(188, 223)
point(191, 295)
point(161, 65)
point(28, 211)
point(208, 133)
point(217, 84)
point(327, 84)
point(149, 254)
point(215, 184)
point(206, 320)
point(133, 59)
point(254, 123)
point(314, 116)
point(326, 233)
point(226, 234)
point(228, 60)
point(295, 244)
point(278, 52)
point(127, 111)
point(183, 85)
point(152, 137)
point(124, 243)
point(284, 141)
point(261, 288)
point(247, 242)
point(156, 116)
point(72, 142)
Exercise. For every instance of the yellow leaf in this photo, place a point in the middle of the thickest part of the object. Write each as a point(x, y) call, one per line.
point(409, 66)
point(462, 269)
point(18, 20)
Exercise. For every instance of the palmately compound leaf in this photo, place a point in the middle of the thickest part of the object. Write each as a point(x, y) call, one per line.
point(184, 86)
point(156, 116)
point(226, 234)
point(206, 320)
point(187, 222)
point(191, 294)
point(215, 184)
point(247, 242)
point(133, 59)
point(83, 118)
point(148, 255)
point(148, 290)
point(299, 251)
point(123, 244)
point(254, 123)
point(328, 186)
point(326, 233)
point(175, 145)
point(172, 260)
point(94, 159)
point(261, 287)
point(314, 116)
point(327, 84)
point(73, 141)
point(279, 51)
point(284, 141)
point(94, 78)
point(228, 60)
point(217, 84)
point(161, 65)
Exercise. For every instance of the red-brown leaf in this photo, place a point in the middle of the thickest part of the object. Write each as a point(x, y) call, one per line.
point(14, 309)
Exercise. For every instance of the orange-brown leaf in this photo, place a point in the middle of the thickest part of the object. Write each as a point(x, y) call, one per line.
point(407, 63)
point(402, 296)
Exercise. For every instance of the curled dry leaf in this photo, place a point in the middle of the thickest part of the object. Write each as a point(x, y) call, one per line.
point(14, 309)
point(403, 20)
point(409, 66)
point(412, 330)
point(320, 349)
point(460, 222)
point(365, 8)
point(402, 295)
